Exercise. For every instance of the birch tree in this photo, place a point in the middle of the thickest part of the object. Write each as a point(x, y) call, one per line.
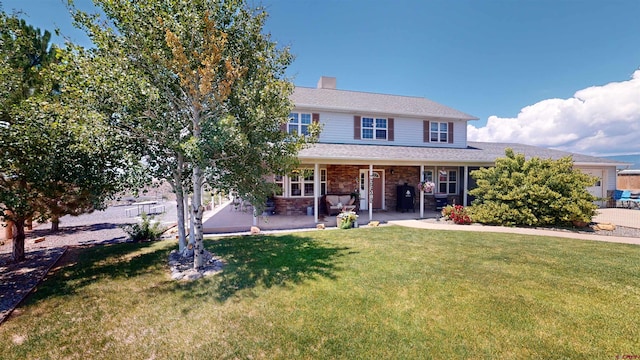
point(223, 82)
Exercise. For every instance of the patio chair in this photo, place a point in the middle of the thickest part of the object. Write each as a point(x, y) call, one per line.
point(624, 198)
point(634, 199)
point(236, 204)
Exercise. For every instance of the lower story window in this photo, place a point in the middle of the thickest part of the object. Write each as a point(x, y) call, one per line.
point(301, 183)
point(448, 181)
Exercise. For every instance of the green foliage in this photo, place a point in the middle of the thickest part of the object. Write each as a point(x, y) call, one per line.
point(214, 92)
point(147, 230)
point(532, 192)
point(58, 153)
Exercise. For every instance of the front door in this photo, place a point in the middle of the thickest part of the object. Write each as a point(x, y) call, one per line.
point(378, 189)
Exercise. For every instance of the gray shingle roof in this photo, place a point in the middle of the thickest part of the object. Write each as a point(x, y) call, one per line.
point(372, 103)
point(477, 153)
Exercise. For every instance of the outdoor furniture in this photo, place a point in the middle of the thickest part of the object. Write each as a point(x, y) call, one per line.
point(239, 204)
point(269, 207)
point(336, 203)
point(626, 198)
point(634, 199)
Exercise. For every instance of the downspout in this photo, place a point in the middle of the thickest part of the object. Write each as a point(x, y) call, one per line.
point(465, 183)
point(370, 192)
point(316, 191)
point(421, 192)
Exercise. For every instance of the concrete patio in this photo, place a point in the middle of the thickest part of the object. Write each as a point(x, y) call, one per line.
point(228, 219)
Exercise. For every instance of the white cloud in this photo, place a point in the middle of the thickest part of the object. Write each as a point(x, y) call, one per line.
point(599, 120)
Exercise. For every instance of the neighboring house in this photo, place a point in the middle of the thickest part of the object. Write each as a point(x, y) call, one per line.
point(372, 143)
point(629, 179)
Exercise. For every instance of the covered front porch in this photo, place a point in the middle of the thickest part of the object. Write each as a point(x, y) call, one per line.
point(228, 219)
point(374, 188)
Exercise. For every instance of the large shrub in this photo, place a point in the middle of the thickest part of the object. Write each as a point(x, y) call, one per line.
point(532, 192)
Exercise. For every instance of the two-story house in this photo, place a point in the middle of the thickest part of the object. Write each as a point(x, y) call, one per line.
point(372, 143)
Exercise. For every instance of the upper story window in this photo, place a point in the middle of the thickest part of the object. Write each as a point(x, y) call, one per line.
point(299, 123)
point(439, 132)
point(374, 128)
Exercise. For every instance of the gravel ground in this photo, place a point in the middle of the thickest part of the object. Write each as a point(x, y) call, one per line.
point(99, 227)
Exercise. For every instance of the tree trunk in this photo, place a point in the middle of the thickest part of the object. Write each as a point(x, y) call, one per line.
point(196, 203)
point(189, 219)
point(196, 214)
point(18, 241)
point(182, 234)
point(179, 190)
point(55, 223)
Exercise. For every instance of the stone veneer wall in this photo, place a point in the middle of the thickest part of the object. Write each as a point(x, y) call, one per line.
point(292, 206)
point(341, 179)
point(401, 175)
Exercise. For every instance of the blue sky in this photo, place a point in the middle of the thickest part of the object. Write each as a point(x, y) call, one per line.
point(555, 73)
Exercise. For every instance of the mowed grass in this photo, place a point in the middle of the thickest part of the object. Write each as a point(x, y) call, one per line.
point(369, 293)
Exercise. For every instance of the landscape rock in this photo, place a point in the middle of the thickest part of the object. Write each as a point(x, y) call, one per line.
point(604, 226)
point(192, 274)
point(181, 266)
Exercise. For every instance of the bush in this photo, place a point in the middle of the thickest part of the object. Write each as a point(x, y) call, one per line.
point(532, 192)
point(456, 213)
point(144, 231)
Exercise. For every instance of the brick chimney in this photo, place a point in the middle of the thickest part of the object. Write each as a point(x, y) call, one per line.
point(327, 82)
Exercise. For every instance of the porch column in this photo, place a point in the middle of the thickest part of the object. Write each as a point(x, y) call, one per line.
point(421, 192)
point(465, 183)
point(316, 190)
point(370, 192)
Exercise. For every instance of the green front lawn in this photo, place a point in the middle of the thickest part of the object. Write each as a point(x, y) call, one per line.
point(369, 293)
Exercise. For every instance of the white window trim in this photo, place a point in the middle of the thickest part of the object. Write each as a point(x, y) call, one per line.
point(438, 132)
point(448, 170)
point(287, 181)
point(299, 123)
point(374, 128)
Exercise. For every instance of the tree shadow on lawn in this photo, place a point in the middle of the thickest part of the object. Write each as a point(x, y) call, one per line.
point(268, 261)
point(83, 265)
point(72, 229)
point(250, 262)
